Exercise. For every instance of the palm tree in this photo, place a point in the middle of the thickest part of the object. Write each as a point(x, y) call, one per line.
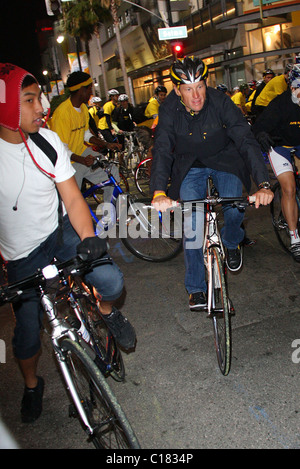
point(112, 5)
point(83, 19)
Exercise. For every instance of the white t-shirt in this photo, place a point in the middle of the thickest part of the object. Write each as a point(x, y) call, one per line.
point(23, 184)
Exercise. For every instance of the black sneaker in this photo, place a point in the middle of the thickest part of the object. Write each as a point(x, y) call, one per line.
point(234, 259)
point(120, 328)
point(197, 301)
point(31, 407)
point(295, 251)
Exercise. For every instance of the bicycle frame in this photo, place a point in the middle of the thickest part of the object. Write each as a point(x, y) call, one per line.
point(111, 181)
point(212, 239)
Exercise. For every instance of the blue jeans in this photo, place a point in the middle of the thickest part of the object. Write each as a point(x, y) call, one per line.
point(193, 187)
point(107, 279)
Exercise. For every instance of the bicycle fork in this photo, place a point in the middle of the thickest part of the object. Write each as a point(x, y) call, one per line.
point(60, 329)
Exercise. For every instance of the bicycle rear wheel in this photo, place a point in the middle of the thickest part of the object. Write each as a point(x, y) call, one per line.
point(279, 223)
point(111, 429)
point(149, 235)
point(220, 312)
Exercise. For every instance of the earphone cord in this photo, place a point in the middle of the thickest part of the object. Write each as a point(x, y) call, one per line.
point(32, 157)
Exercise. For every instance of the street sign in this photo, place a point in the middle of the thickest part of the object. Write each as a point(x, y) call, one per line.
point(176, 32)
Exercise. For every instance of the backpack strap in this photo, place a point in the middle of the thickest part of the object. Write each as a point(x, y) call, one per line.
point(45, 146)
point(48, 149)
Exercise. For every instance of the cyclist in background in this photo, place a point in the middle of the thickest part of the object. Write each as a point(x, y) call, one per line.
point(268, 74)
point(272, 89)
point(105, 123)
point(278, 130)
point(160, 93)
point(96, 112)
point(70, 121)
point(31, 231)
point(201, 133)
point(224, 89)
point(239, 97)
point(123, 115)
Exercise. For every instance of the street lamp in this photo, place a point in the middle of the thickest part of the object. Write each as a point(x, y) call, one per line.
point(60, 39)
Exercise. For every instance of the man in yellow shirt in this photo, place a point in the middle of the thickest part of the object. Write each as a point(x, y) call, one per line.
point(96, 112)
point(239, 98)
point(70, 121)
point(151, 111)
point(273, 88)
point(105, 123)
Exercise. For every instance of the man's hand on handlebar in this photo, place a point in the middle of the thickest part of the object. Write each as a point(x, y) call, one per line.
point(161, 202)
point(263, 197)
point(114, 146)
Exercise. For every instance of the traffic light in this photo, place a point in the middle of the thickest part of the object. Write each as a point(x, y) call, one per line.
point(177, 50)
point(53, 7)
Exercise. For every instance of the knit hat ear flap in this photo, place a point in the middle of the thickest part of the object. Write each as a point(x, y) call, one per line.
point(11, 79)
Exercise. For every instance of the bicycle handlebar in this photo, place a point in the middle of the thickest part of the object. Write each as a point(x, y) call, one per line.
point(239, 202)
point(102, 163)
point(73, 266)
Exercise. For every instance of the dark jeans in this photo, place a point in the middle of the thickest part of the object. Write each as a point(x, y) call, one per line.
point(107, 279)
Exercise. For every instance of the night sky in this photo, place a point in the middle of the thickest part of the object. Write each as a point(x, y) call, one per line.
point(18, 38)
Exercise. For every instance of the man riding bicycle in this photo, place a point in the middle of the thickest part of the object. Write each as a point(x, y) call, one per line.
point(200, 133)
point(32, 230)
point(278, 130)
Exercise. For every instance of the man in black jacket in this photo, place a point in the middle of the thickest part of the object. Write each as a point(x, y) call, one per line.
point(278, 130)
point(200, 133)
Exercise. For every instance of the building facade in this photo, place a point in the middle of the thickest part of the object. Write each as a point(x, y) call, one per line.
point(237, 39)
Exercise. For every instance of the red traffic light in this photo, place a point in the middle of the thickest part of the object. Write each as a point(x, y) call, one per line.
point(177, 49)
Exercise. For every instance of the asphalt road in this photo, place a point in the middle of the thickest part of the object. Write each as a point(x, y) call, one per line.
point(174, 394)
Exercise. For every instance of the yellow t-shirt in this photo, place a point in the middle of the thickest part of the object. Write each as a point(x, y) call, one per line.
point(239, 99)
point(70, 125)
point(93, 112)
point(152, 108)
point(272, 89)
point(108, 109)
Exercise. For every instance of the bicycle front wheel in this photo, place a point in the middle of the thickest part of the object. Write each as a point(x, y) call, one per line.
point(220, 312)
point(150, 235)
point(111, 429)
point(142, 176)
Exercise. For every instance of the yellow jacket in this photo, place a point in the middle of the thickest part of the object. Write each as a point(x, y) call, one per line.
point(152, 108)
point(108, 109)
point(272, 89)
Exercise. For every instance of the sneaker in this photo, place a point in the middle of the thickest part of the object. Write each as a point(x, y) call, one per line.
point(31, 407)
point(197, 301)
point(120, 328)
point(234, 259)
point(295, 251)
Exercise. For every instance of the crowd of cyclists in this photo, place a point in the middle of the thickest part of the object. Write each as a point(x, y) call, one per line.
point(199, 131)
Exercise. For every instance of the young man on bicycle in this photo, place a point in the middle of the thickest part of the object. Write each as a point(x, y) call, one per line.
point(70, 121)
point(31, 231)
point(278, 130)
point(201, 132)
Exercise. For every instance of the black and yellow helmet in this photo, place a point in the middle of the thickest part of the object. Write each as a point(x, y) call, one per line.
point(188, 70)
